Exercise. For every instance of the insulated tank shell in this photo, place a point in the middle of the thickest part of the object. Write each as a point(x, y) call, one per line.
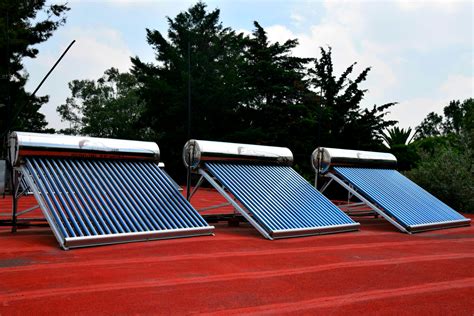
point(323, 158)
point(196, 152)
point(53, 145)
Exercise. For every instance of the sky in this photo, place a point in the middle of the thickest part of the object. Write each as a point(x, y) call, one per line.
point(421, 52)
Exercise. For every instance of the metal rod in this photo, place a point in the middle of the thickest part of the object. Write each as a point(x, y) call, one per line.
point(54, 66)
point(28, 210)
point(188, 174)
point(213, 207)
point(188, 182)
point(325, 186)
point(189, 90)
point(281, 231)
point(14, 184)
point(13, 118)
point(196, 187)
point(87, 241)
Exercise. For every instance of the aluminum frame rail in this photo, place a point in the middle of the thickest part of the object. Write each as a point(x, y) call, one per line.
point(90, 202)
point(276, 200)
point(398, 199)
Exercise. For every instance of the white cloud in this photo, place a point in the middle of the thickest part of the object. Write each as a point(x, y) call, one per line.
point(297, 19)
point(458, 87)
point(393, 46)
point(342, 29)
point(96, 50)
point(413, 5)
point(411, 112)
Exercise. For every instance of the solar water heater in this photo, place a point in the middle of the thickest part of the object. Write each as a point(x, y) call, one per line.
point(95, 191)
point(372, 178)
point(260, 184)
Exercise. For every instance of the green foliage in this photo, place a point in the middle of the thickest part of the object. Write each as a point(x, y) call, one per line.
point(447, 173)
point(344, 123)
point(407, 156)
point(446, 158)
point(457, 115)
point(430, 126)
point(23, 24)
point(396, 136)
point(243, 89)
point(215, 55)
point(398, 140)
point(108, 107)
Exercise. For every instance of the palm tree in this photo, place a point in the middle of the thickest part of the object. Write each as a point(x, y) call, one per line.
point(398, 136)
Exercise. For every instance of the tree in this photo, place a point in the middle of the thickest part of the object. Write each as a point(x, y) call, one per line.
point(448, 174)
point(108, 107)
point(430, 126)
point(215, 55)
point(397, 136)
point(446, 163)
point(397, 140)
point(241, 88)
point(275, 89)
point(23, 26)
point(344, 123)
point(457, 118)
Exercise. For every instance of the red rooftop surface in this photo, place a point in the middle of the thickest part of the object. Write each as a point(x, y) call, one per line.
point(237, 272)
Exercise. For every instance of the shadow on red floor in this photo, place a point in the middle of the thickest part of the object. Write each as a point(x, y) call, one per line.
point(375, 271)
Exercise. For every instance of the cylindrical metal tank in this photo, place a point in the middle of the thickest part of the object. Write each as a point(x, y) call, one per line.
point(324, 158)
point(53, 145)
point(196, 152)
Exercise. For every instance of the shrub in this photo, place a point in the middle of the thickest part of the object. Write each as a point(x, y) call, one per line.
point(447, 172)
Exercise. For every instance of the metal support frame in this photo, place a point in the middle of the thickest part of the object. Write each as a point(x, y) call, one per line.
point(239, 208)
point(30, 209)
point(325, 186)
point(47, 214)
point(18, 191)
point(213, 207)
point(379, 211)
point(15, 184)
point(196, 187)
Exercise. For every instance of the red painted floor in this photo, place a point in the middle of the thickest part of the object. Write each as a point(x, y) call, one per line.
point(375, 271)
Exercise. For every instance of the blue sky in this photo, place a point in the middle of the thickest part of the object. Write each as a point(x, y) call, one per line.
point(421, 52)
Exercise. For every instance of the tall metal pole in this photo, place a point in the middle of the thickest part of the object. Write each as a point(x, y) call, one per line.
point(188, 174)
point(9, 119)
point(319, 115)
point(6, 77)
point(320, 111)
point(189, 90)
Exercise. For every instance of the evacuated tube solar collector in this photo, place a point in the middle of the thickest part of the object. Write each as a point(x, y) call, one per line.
point(273, 197)
point(100, 191)
point(372, 177)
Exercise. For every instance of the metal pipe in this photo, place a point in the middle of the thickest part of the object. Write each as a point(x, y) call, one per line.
point(353, 226)
point(87, 241)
